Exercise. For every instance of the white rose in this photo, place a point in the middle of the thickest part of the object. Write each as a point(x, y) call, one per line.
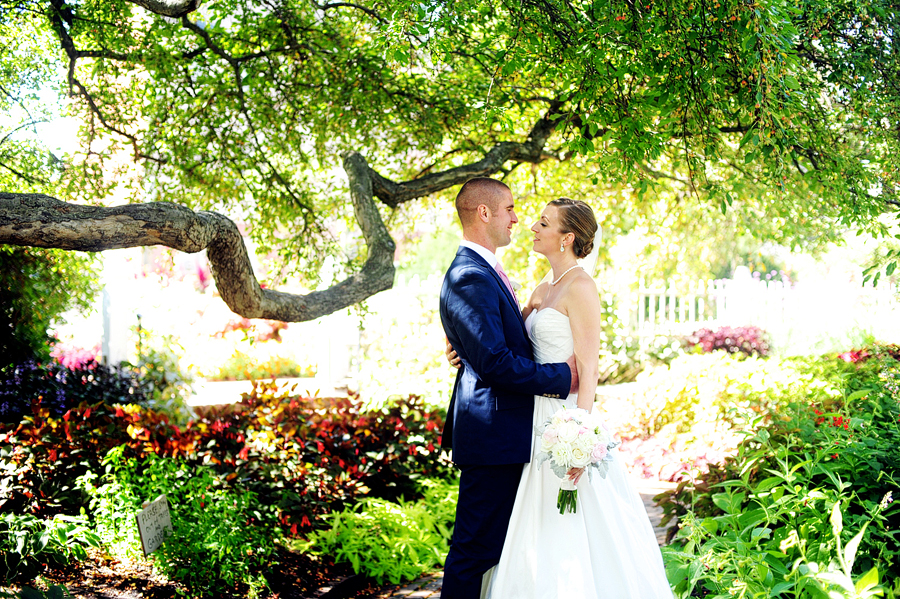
point(586, 442)
point(568, 432)
point(580, 457)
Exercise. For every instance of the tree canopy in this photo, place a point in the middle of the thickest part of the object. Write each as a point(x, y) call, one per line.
point(300, 116)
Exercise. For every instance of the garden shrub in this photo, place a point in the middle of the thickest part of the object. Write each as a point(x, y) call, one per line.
point(27, 543)
point(748, 341)
point(310, 456)
point(766, 510)
point(215, 545)
point(301, 458)
point(305, 456)
point(241, 366)
point(624, 355)
point(42, 456)
point(60, 388)
point(390, 541)
point(695, 411)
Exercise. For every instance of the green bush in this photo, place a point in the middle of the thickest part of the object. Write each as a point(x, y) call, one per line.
point(392, 541)
point(241, 366)
point(767, 551)
point(36, 287)
point(623, 355)
point(53, 592)
point(215, 545)
point(164, 382)
point(695, 411)
point(763, 520)
point(26, 543)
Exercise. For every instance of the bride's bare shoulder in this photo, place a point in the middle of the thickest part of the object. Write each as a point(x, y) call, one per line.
point(582, 290)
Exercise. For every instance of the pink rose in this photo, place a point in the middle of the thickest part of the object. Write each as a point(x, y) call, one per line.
point(549, 436)
point(599, 452)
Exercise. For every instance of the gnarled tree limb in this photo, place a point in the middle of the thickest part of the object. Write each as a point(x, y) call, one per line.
point(531, 151)
point(42, 221)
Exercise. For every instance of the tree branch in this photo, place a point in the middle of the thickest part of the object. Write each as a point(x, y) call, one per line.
point(42, 221)
point(169, 8)
point(531, 150)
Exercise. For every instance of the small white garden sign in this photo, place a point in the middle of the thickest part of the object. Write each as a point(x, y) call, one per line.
point(153, 521)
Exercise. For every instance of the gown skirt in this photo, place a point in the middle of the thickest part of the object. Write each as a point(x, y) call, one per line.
point(607, 549)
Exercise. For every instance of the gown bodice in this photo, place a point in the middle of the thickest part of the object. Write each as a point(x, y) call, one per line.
point(551, 335)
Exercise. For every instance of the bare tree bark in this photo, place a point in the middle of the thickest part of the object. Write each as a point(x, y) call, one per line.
point(42, 221)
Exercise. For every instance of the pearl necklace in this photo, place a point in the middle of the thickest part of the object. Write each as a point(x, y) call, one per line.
point(558, 279)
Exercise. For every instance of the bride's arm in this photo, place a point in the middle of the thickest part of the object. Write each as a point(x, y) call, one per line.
point(583, 307)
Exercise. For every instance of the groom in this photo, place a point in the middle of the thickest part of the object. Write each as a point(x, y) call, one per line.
point(489, 421)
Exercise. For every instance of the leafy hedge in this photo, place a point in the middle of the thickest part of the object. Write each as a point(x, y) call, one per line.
point(779, 517)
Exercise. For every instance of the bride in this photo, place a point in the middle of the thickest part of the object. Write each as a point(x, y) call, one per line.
point(607, 548)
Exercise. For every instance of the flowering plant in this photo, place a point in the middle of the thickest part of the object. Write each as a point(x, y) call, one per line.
point(574, 439)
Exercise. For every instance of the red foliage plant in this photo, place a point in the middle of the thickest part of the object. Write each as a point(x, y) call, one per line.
point(303, 456)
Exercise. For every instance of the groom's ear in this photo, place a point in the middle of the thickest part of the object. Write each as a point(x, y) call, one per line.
point(483, 212)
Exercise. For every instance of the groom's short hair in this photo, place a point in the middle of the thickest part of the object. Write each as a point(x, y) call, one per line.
point(477, 191)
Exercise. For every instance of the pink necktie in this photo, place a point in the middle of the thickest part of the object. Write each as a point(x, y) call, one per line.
point(503, 276)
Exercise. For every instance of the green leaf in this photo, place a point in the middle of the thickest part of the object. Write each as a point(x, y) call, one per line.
point(837, 523)
point(852, 546)
point(867, 581)
point(858, 394)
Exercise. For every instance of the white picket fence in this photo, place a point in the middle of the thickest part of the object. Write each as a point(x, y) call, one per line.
point(822, 307)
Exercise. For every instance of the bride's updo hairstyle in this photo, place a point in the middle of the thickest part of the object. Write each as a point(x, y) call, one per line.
point(577, 217)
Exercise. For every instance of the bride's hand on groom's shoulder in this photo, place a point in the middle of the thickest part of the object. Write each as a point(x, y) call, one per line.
point(452, 356)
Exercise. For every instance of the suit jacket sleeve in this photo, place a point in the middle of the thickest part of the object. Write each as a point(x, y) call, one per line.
point(479, 328)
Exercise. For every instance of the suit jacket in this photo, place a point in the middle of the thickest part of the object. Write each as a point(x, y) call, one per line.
point(489, 420)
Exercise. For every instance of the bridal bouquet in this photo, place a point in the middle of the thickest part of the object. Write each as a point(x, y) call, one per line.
point(574, 439)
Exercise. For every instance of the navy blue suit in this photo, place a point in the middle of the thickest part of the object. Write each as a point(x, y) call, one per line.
point(489, 421)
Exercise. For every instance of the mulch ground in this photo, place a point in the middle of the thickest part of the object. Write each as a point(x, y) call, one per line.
point(296, 576)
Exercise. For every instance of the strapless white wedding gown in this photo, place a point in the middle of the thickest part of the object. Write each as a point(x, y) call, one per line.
point(607, 549)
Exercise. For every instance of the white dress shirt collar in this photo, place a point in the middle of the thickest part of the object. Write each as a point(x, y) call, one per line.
point(482, 251)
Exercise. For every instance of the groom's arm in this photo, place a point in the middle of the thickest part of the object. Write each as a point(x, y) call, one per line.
point(482, 343)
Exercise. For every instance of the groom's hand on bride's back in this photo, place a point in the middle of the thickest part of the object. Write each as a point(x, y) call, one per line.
point(452, 357)
point(571, 364)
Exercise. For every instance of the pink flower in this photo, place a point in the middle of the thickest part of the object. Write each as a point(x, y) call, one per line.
point(549, 436)
point(599, 452)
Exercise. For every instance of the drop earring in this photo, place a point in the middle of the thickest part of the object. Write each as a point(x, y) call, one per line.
point(562, 247)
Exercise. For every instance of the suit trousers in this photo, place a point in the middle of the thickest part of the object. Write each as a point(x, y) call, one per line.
point(486, 498)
